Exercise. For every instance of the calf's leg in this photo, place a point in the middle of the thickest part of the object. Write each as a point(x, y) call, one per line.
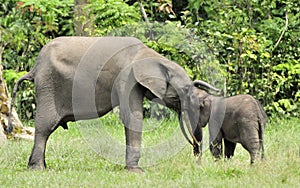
point(229, 148)
point(198, 148)
point(216, 146)
point(250, 139)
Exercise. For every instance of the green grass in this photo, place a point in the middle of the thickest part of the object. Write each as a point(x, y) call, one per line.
point(73, 163)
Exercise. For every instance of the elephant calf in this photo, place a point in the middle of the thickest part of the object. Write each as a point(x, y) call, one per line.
point(237, 119)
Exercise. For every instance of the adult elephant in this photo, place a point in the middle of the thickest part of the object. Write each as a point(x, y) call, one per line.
point(80, 78)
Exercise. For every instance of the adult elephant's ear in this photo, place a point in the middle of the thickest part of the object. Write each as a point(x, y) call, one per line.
point(216, 119)
point(151, 74)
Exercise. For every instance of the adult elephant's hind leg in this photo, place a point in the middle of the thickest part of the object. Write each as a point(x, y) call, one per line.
point(45, 124)
point(132, 116)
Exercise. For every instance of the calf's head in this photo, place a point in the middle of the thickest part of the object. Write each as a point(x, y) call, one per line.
point(197, 107)
point(204, 107)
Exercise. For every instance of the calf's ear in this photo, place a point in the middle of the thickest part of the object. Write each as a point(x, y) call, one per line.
point(201, 103)
point(207, 103)
point(204, 102)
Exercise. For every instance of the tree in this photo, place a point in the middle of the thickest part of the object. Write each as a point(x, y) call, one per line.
point(5, 106)
point(3, 100)
point(82, 26)
point(25, 26)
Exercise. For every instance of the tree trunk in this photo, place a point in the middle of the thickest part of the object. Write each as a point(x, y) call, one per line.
point(143, 12)
point(3, 108)
point(82, 25)
point(18, 131)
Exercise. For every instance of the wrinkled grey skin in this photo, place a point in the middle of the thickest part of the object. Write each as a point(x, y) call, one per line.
point(237, 119)
point(79, 78)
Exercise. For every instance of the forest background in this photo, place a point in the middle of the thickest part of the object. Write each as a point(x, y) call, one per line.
point(250, 46)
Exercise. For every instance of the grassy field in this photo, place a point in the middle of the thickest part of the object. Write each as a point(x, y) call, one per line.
point(74, 163)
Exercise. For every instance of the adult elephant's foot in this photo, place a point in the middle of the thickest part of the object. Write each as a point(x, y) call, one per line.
point(135, 169)
point(36, 164)
point(36, 167)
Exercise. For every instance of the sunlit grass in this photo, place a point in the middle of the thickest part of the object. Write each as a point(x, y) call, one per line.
point(73, 163)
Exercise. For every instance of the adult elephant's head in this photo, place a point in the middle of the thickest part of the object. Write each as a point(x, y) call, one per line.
point(169, 82)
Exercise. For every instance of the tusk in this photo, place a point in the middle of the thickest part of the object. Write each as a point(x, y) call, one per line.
point(182, 128)
point(189, 127)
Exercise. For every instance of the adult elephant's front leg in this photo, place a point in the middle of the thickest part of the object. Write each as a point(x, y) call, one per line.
point(133, 145)
point(132, 116)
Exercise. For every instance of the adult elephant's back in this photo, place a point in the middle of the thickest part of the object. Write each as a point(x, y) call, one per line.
point(79, 72)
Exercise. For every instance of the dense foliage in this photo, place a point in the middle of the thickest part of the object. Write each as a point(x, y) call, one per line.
point(259, 44)
point(25, 27)
point(243, 47)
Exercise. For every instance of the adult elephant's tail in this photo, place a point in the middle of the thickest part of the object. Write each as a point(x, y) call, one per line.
point(29, 77)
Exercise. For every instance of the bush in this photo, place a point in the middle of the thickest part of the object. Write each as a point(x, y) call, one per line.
point(242, 47)
point(26, 25)
point(258, 46)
